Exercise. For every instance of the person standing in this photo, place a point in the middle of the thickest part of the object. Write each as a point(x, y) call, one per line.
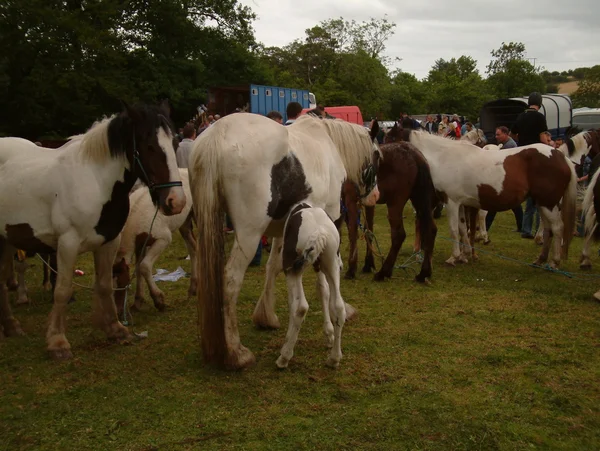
point(529, 129)
point(185, 146)
point(292, 111)
point(505, 142)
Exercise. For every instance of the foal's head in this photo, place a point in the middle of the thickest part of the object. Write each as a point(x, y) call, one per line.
point(370, 193)
point(396, 134)
point(145, 133)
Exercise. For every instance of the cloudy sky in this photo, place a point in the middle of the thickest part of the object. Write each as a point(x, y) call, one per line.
point(560, 35)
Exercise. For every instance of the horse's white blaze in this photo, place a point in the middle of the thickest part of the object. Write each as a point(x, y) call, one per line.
point(176, 198)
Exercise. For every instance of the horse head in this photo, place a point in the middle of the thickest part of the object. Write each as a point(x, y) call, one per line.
point(151, 153)
point(396, 134)
point(582, 144)
point(370, 194)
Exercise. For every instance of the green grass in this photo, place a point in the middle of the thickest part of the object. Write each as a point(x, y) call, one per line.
point(492, 355)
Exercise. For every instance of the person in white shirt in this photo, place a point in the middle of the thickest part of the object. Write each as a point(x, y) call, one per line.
point(186, 145)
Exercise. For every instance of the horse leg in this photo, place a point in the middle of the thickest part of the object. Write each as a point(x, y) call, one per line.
point(58, 345)
point(11, 280)
point(483, 233)
point(242, 253)
point(396, 221)
point(298, 308)
point(22, 296)
point(264, 313)
point(369, 220)
point(540, 234)
point(452, 211)
point(150, 256)
point(546, 223)
point(323, 293)
point(330, 265)
point(417, 243)
point(463, 232)
point(353, 216)
point(553, 221)
point(473, 218)
point(585, 262)
point(46, 273)
point(104, 314)
point(427, 231)
point(187, 232)
point(9, 326)
point(139, 286)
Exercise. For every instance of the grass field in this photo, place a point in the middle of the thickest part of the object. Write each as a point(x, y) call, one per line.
point(492, 355)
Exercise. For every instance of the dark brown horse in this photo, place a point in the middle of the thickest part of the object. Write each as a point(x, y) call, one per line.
point(351, 215)
point(404, 174)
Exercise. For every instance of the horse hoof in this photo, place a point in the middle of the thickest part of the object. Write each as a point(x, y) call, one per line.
point(486, 242)
point(596, 296)
point(282, 362)
point(60, 354)
point(367, 269)
point(13, 330)
point(450, 262)
point(422, 280)
point(349, 276)
point(379, 277)
point(585, 266)
point(23, 301)
point(240, 359)
point(351, 312)
point(332, 363)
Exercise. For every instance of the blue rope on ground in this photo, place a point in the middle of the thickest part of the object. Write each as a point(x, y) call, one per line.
point(545, 267)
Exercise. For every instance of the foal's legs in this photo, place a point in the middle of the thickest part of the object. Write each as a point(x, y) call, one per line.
point(149, 257)
point(104, 314)
point(369, 260)
point(330, 265)
point(9, 326)
point(323, 293)
point(264, 313)
point(396, 221)
point(298, 308)
point(352, 214)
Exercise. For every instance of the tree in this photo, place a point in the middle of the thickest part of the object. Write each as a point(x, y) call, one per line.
point(588, 92)
point(455, 86)
point(510, 74)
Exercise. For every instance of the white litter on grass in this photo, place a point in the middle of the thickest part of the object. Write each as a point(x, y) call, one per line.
point(162, 275)
point(143, 334)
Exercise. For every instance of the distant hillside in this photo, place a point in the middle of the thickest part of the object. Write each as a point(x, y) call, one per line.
point(568, 88)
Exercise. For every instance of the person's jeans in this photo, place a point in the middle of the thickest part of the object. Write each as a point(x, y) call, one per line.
point(530, 211)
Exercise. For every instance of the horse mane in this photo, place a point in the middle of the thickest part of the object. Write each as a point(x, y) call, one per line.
point(94, 145)
point(434, 142)
point(353, 142)
point(576, 143)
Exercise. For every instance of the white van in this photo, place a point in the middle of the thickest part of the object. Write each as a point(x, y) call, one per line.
point(586, 118)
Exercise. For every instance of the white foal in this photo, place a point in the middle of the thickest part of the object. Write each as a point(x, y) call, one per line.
point(135, 235)
point(311, 238)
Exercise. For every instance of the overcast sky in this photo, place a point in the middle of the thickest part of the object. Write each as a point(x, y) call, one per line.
point(561, 34)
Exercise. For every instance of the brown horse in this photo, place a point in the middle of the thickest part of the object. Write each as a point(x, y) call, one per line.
point(351, 215)
point(404, 174)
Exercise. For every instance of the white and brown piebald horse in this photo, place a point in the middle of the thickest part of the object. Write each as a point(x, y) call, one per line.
point(77, 200)
point(147, 248)
point(256, 170)
point(500, 181)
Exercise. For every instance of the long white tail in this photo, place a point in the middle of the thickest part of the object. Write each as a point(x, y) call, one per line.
point(589, 210)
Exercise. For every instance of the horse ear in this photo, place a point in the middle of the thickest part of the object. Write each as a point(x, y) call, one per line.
point(130, 111)
point(374, 129)
point(165, 107)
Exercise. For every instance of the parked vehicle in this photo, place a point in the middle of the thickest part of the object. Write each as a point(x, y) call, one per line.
point(557, 108)
point(257, 99)
point(348, 113)
point(586, 118)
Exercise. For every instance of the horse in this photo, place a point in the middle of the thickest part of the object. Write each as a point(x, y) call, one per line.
point(475, 137)
point(587, 143)
point(255, 170)
point(404, 174)
point(76, 201)
point(311, 238)
point(146, 227)
point(351, 205)
point(500, 181)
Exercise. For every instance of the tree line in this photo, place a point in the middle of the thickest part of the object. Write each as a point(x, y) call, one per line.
point(66, 63)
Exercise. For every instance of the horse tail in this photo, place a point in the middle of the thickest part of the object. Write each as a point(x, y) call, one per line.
point(205, 186)
point(422, 196)
point(569, 210)
point(313, 248)
point(591, 204)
